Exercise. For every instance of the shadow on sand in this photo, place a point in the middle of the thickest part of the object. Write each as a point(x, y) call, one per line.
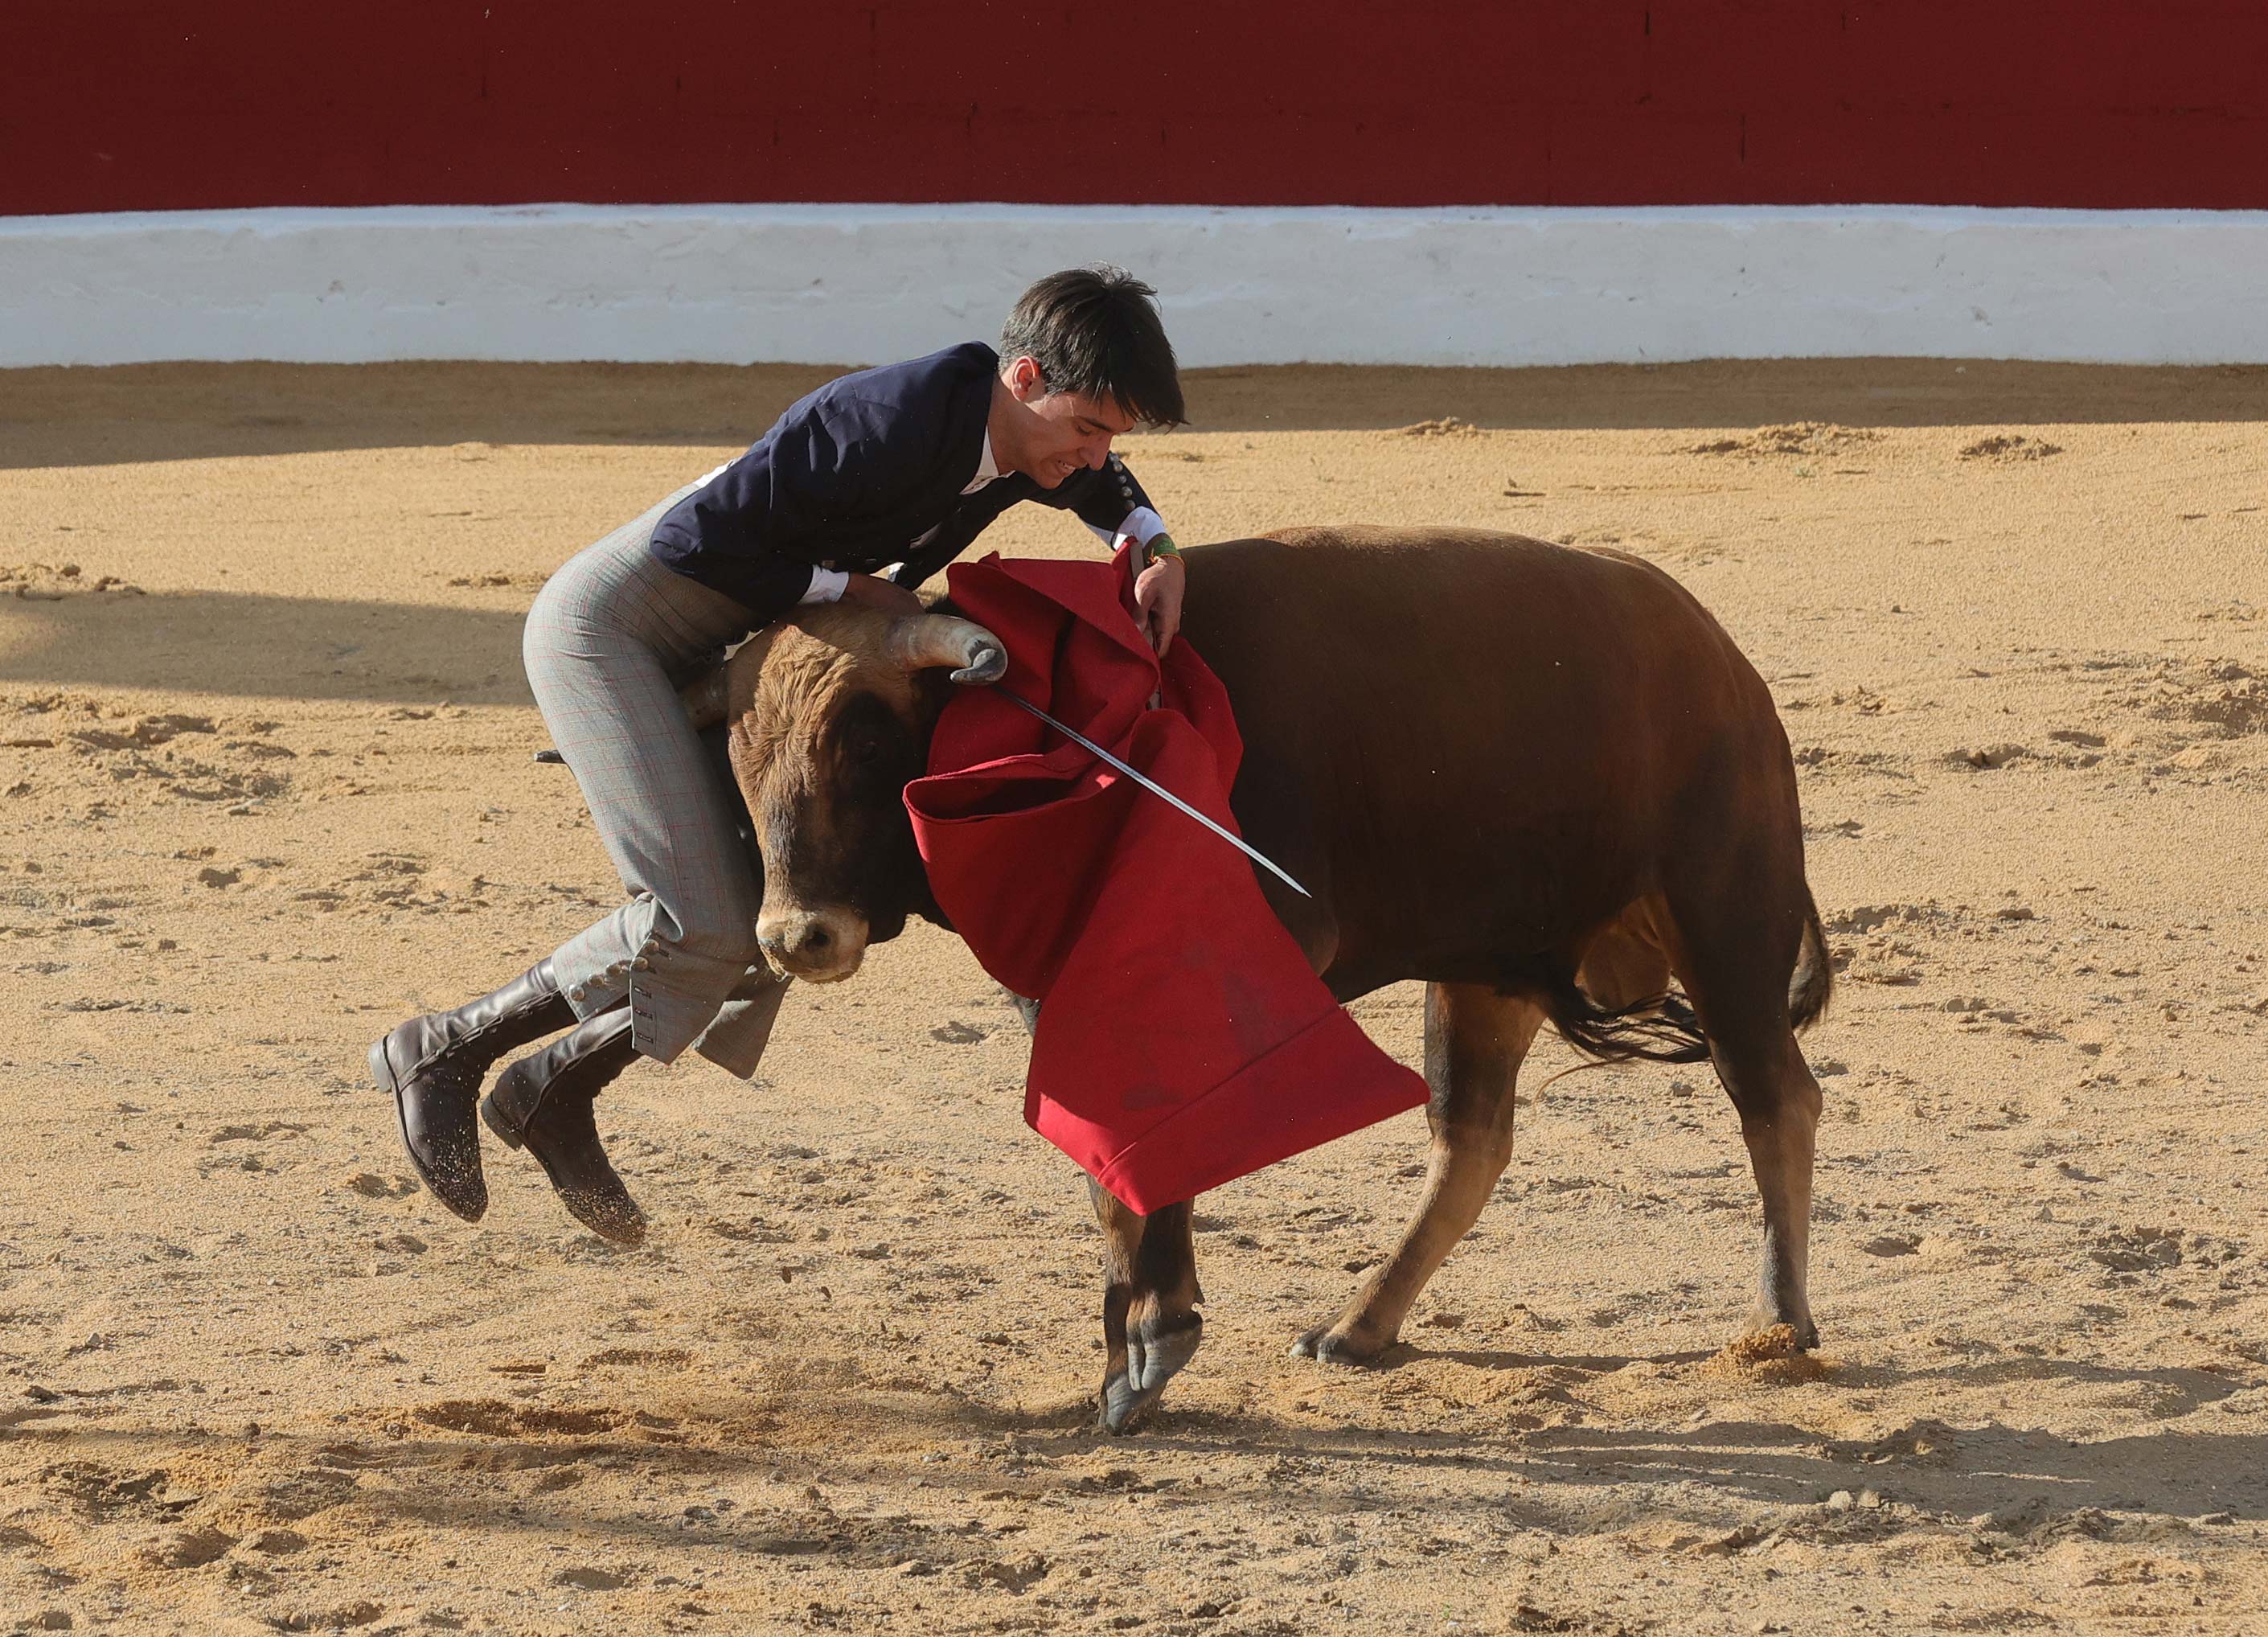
point(68, 417)
point(2019, 1482)
point(252, 645)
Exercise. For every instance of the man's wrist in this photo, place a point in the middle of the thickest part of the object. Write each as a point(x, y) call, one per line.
point(827, 585)
point(1161, 546)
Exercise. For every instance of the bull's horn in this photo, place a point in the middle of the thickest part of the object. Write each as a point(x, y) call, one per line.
point(922, 640)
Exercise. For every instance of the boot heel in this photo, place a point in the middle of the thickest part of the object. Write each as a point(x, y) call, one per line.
point(498, 1121)
point(381, 1066)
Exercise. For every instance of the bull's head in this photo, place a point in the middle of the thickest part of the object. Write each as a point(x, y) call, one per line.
point(830, 715)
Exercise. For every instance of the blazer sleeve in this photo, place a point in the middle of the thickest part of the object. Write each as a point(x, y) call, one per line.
point(1106, 498)
point(754, 529)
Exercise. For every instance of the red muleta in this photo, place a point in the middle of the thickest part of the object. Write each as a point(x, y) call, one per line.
point(1183, 1041)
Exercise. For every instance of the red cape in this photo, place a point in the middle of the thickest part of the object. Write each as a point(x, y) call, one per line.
point(1183, 1041)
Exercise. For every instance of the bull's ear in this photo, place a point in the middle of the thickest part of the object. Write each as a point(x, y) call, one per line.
point(708, 698)
point(922, 641)
point(704, 699)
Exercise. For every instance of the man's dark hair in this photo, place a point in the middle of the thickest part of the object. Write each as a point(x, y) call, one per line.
point(1095, 331)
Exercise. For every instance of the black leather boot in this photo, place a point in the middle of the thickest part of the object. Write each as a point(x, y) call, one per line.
point(433, 1065)
point(542, 1103)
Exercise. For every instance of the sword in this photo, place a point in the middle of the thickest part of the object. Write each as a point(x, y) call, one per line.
point(1158, 790)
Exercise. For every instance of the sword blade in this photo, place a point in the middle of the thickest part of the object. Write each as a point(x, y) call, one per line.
point(1159, 791)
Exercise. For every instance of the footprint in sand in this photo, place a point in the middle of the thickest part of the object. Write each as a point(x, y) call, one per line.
point(370, 1186)
point(191, 1549)
point(499, 580)
point(302, 1495)
point(1987, 757)
point(102, 1492)
point(1799, 438)
point(493, 1418)
point(52, 582)
point(254, 1133)
point(2009, 448)
point(587, 1577)
point(338, 1617)
point(642, 1357)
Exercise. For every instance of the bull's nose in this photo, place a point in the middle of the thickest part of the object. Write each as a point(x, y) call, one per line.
point(796, 942)
point(818, 948)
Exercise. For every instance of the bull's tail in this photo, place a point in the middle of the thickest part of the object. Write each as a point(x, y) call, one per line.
point(1659, 1030)
point(1814, 979)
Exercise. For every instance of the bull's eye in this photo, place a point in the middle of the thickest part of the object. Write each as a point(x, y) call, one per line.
point(866, 734)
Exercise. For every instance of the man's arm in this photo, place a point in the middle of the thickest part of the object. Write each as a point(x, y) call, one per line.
point(1110, 502)
point(1157, 592)
point(749, 530)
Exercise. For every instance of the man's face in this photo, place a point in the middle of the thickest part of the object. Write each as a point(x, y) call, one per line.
point(1066, 431)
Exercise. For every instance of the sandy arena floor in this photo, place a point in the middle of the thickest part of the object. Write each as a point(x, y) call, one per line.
point(265, 788)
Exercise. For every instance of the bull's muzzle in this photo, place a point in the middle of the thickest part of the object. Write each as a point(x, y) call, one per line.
point(817, 945)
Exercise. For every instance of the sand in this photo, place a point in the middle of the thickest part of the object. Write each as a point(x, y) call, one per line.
point(265, 788)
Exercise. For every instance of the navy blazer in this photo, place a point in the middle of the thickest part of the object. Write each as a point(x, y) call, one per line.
point(864, 472)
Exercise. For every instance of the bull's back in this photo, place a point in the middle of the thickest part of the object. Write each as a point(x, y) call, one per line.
point(1430, 714)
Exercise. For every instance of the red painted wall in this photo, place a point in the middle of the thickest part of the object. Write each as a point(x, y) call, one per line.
point(113, 105)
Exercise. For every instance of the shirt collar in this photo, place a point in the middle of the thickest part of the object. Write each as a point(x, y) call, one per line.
point(986, 468)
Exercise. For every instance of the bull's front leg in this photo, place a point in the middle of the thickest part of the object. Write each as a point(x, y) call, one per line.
point(1474, 1040)
point(1150, 1323)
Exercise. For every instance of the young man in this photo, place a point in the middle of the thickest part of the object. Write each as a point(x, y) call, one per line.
point(898, 468)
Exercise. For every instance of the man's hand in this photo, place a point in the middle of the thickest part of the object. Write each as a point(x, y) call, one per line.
point(873, 592)
point(1158, 601)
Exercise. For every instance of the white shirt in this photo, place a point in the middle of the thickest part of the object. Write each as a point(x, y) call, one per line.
point(987, 468)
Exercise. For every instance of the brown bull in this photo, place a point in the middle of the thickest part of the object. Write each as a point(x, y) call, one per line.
point(1500, 766)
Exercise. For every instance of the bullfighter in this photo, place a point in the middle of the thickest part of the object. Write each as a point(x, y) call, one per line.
point(860, 491)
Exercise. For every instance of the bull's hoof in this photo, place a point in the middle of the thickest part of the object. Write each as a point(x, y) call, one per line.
point(1329, 1344)
point(1156, 1352)
point(1803, 1333)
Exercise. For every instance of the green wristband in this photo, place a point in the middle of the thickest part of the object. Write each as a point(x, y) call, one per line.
point(1162, 546)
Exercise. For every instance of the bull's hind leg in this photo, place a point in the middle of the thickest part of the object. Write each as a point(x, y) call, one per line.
point(1475, 1039)
point(1150, 1323)
point(1738, 986)
point(1778, 1102)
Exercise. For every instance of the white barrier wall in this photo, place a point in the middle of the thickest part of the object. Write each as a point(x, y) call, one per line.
point(847, 284)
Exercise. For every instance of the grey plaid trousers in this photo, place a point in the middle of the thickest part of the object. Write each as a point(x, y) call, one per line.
point(611, 638)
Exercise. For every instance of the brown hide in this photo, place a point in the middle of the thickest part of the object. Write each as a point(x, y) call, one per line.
point(1477, 750)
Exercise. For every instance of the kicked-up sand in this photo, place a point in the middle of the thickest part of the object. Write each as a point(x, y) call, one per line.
point(265, 788)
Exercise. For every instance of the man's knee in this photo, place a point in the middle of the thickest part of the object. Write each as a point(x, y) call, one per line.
point(546, 628)
point(718, 933)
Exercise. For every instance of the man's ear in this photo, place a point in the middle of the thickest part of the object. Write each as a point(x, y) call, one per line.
point(1025, 380)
